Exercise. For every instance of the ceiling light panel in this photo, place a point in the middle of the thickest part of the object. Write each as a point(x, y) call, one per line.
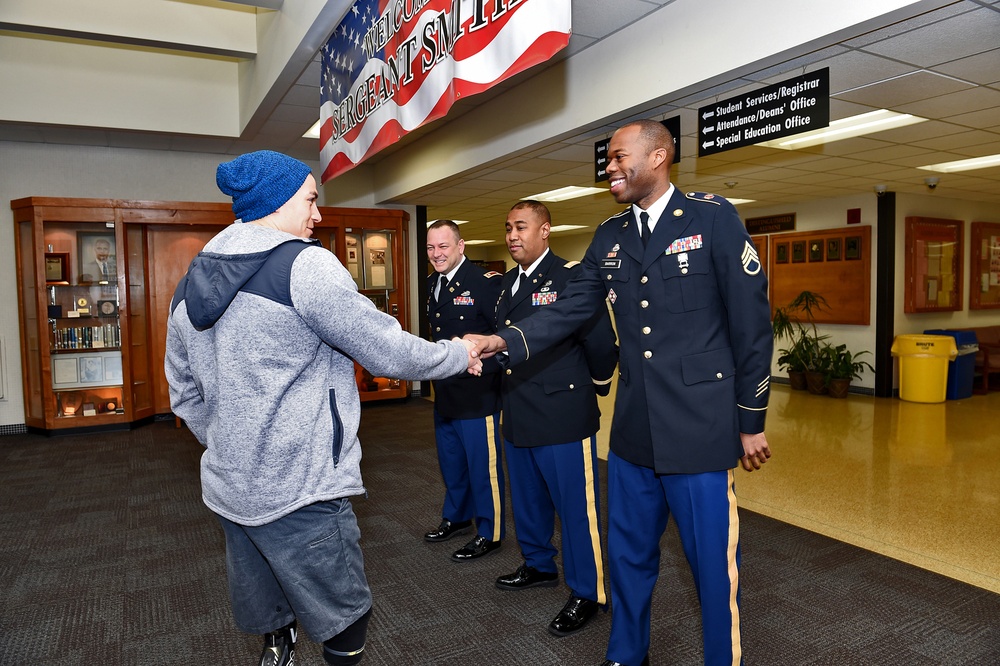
point(564, 193)
point(987, 162)
point(846, 128)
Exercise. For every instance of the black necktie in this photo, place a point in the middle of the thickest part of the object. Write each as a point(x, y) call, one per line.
point(644, 221)
point(521, 279)
point(442, 287)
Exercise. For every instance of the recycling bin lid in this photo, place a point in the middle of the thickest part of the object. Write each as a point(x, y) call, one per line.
point(924, 345)
point(962, 337)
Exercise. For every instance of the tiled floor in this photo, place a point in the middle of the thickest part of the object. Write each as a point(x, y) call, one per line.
point(916, 482)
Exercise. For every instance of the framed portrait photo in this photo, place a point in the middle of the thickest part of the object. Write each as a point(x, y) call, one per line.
point(852, 247)
point(781, 253)
point(798, 252)
point(816, 250)
point(833, 249)
point(97, 260)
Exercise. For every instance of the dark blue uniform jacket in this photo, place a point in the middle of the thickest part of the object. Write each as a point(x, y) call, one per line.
point(469, 306)
point(552, 397)
point(694, 328)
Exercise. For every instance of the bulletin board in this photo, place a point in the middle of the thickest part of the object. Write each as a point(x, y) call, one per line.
point(984, 269)
point(934, 255)
point(834, 263)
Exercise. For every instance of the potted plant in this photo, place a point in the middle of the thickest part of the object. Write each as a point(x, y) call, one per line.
point(805, 353)
point(821, 359)
point(844, 366)
point(792, 361)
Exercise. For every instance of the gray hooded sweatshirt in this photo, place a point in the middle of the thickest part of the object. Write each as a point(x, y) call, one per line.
point(260, 368)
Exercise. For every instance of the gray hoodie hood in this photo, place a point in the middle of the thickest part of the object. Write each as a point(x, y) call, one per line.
point(213, 280)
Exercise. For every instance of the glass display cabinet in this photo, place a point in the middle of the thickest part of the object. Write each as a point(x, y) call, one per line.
point(72, 335)
point(95, 281)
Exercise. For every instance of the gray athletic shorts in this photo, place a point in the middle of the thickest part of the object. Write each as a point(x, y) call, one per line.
point(306, 566)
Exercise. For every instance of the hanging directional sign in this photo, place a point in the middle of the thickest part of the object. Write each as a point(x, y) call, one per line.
point(601, 148)
point(791, 107)
point(601, 159)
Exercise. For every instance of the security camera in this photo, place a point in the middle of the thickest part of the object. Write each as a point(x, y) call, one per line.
point(931, 182)
point(880, 189)
point(731, 184)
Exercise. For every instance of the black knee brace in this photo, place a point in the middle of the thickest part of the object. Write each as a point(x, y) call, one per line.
point(348, 647)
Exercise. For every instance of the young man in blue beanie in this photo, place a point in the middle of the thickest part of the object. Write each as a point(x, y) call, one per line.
point(262, 337)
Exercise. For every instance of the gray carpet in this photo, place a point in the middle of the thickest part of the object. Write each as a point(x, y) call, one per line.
point(108, 556)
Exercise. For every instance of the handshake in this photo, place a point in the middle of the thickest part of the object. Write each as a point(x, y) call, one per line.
point(480, 347)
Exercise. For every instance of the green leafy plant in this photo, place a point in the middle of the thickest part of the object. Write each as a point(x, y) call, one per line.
point(843, 364)
point(805, 353)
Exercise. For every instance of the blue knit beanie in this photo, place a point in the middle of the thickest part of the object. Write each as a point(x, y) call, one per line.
point(260, 182)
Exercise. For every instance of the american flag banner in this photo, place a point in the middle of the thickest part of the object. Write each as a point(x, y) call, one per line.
point(392, 66)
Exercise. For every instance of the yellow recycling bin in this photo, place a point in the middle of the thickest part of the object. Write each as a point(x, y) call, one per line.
point(923, 366)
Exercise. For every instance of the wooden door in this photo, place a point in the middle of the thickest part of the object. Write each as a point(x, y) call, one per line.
point(170, 250)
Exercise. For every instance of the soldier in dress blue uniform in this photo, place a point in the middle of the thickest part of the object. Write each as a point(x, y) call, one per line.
point(461, 299)
point(550, 423)
point(690, 304)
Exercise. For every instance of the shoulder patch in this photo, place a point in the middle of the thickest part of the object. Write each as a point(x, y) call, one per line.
point(705, 197)
point(492, 274)
point(750, 259)
point(571, 264)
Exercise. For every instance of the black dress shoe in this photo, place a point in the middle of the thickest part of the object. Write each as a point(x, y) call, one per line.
point(608, 662)
point(573, 616)
point(478, 547)
point(526, 577)
point(447, 530)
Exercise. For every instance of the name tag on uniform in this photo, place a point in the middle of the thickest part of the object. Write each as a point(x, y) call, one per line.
point(464, 300)
point(544, 298)
point(611, 263)
point(684, 245)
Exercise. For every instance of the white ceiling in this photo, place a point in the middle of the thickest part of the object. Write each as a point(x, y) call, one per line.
point(943, 65)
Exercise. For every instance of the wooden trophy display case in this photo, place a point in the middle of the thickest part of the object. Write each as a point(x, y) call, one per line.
point(71, 293)
point(95, 281)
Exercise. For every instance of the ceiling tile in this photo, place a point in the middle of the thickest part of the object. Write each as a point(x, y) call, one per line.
point(956, 103)
point(980, 68)
point(593, 19)
point(954, 38)
point(895, 92)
